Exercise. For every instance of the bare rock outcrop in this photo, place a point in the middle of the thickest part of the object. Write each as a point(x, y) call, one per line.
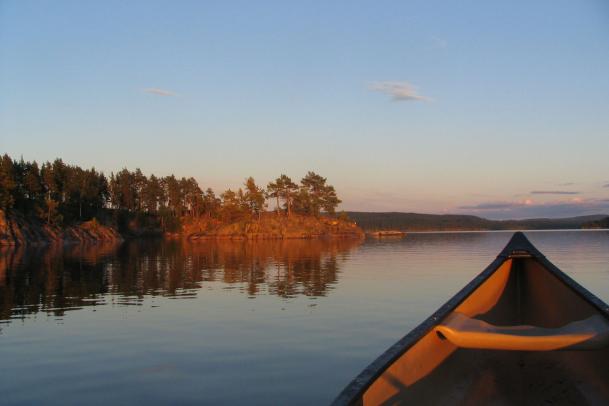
point(17, 230)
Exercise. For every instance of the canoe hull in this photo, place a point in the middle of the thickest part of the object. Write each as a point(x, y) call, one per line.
point(521, 287)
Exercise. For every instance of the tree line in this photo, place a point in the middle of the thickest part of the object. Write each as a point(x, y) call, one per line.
point(59, 193)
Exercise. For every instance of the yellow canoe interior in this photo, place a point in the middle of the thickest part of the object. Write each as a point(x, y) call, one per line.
point(523, 336)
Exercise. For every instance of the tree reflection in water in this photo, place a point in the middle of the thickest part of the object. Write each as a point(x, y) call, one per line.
point(54, 280)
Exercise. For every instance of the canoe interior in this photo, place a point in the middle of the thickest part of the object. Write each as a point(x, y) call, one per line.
point(521, 291)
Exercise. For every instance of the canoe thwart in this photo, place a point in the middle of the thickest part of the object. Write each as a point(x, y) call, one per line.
point(466, 332)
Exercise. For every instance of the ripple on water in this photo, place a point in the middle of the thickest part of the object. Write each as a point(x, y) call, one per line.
point(218, 322)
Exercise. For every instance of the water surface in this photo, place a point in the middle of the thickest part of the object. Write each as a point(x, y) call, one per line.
point(221, 323)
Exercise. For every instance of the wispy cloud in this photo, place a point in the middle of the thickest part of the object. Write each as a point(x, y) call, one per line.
point(399, 91)
point(439, 43)
point(566, 184)
point(492, 206)
point(159, 92)
point(553, 192)
point(606, 185)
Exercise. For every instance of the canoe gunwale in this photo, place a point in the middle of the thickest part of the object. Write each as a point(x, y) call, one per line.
point(518, 247)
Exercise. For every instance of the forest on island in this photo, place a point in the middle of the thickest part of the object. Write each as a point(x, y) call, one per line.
point(61, 194)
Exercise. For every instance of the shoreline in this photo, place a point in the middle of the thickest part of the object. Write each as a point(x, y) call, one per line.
point(16, 230)
point(272, 226)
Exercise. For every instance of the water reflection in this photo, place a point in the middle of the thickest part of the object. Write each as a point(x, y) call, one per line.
point(51, 279)
point(167, 347)
point(55, 280)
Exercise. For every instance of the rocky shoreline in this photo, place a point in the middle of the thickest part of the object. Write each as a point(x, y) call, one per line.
point(16, 230)
point(273, 227)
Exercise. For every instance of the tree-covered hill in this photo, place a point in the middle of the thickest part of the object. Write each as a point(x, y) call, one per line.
point(456, 222)
point(598, 224)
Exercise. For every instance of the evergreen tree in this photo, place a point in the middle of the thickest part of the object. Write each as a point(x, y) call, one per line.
point(59, 179)
point(34, 189)
point(139, 183)
point(318, 195)
point(152, 195)
point(273, 191)
point(231, 206)
point(329, 200)
point(7, 183)
point(19, 195)
point(211, 204)
point(254, 197)
point(193, 196)
point(287, 191)
point(175, 198)
point(51, 191)
point(315, 186)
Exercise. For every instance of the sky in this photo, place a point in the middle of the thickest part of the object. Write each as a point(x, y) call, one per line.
point(498, 109)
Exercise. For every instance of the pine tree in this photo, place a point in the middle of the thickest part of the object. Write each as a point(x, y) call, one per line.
point(329, 200)
point(254, 197)
point(315, 185)
point(231, 205)
point(152, 195)
point(273, 191)
point(287, 192)
point(7, 183)
point(211, 204)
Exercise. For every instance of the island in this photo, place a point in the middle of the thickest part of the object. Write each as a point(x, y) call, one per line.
point(58, 202)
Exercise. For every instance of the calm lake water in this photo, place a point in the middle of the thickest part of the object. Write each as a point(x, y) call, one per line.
point(224, 323)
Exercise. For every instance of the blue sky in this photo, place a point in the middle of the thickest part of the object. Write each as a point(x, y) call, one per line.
point(460, 107)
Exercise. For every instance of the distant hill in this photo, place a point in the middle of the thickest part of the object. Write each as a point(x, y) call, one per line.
point(456, 222)
point(602, 223)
